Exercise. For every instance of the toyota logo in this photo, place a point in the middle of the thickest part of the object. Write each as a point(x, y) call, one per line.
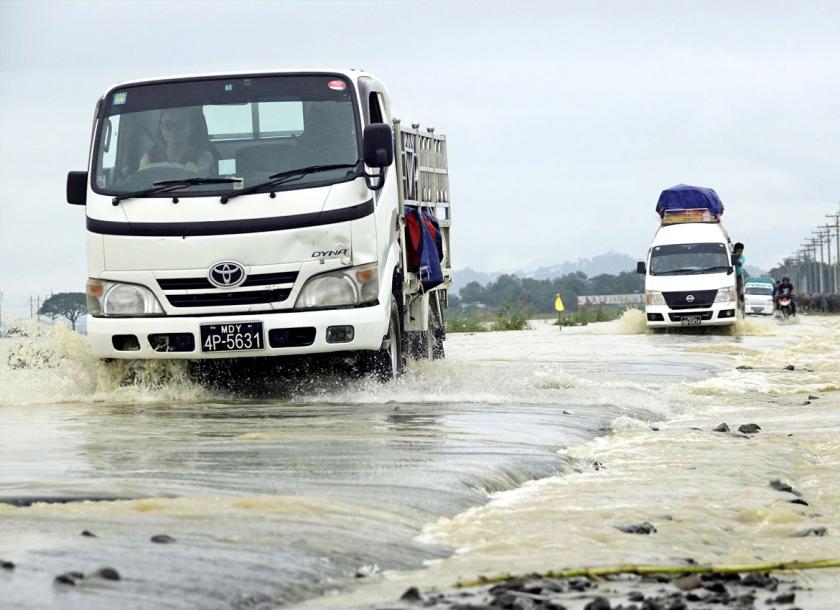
point(226, 274)
point(689, 298)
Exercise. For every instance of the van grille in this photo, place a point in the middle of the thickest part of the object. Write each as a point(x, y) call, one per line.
point(702, 299)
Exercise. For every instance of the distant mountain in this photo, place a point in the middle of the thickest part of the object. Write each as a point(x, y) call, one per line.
point(611, 263)
point(467, 275)
point(755, 271)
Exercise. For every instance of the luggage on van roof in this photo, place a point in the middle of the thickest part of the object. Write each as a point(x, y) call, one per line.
point(685, 197)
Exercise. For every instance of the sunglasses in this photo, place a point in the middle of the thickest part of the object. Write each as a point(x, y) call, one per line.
point(170, 125)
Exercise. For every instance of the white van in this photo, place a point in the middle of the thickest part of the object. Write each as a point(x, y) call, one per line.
point(758, 297)
point(689, 277)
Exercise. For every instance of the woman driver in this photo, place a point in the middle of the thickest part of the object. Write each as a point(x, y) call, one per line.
point(175, 128)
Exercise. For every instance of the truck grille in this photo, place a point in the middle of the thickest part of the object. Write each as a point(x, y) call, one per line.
point(202, 283)
point(220, 299)
point(280, 284)
point(702, 299)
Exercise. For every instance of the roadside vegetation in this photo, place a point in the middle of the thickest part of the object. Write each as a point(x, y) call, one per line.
point(510, 301)
point(474, 320)
point(589, 315)
point(537, 296)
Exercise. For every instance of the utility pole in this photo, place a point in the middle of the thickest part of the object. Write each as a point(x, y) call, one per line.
point(836, 218)
point(818, 234)
point(831, 287)
point(808, 268)
point(812, 247)
point(803, 266)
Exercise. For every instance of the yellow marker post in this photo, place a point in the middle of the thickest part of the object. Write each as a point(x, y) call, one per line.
point(558, 304)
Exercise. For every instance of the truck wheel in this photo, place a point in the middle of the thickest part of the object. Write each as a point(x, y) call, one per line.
point(427, 344)
point(437, 346)
point(389, 362)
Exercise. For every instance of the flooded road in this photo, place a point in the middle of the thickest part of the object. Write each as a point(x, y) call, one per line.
point(521, 451)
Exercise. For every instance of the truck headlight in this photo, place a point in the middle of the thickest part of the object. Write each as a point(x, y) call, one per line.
point(106, 298)
point(654, 297)
point(350, 286)
point(725, 295)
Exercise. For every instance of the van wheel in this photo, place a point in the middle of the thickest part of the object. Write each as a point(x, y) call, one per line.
point(388, 362)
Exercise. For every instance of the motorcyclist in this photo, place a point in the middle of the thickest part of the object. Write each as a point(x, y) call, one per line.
point(785, 288)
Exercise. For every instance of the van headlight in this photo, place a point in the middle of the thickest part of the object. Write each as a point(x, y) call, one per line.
point(350, 286)
point(106, 298)
point(725, 295)
point(654, 297)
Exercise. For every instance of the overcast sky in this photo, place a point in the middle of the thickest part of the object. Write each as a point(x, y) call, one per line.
point(565, 119)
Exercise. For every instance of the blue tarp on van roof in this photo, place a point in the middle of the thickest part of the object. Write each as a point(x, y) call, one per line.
point(685, 197)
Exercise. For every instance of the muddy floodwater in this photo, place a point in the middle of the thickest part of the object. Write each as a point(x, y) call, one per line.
point(522, 451)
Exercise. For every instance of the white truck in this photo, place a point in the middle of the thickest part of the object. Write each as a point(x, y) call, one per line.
point(690, 270)
point(261, 214)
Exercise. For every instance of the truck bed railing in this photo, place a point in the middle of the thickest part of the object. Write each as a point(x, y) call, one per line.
point(423, 176)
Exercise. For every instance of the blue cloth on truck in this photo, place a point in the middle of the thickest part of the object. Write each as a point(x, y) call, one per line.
point(685, 197)
point(428, 249)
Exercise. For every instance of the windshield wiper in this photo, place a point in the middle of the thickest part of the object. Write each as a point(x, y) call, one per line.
point(716, 267)
point(164, 186)
point(686, 270)
point(287, 176)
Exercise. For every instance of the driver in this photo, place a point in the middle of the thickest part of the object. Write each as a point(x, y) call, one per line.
point(174, 145)
point(786, 288)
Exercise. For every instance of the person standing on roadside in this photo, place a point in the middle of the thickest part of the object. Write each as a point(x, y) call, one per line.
point(740, 273)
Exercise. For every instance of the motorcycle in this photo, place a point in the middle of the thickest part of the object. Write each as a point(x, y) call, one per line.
point(785, 305)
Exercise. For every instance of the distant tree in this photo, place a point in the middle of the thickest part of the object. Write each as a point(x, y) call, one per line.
point(538, 295)
point(70, 305)
point(472, 293)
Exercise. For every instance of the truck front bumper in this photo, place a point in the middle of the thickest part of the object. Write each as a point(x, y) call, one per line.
point(719, 314)
point(307, 334)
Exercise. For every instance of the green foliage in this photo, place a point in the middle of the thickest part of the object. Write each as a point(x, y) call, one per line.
point(70, 305)
point(510, 317)
point(466, 322)
point(537, 296)
point(586, 316)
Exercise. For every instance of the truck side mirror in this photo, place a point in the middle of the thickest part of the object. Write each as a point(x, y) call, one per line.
point(641, 268)
point(378, 144)
point(77, 188)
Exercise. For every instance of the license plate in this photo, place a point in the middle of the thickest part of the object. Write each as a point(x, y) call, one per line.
point(690, 320)
point(757, 309)
point(232, 337)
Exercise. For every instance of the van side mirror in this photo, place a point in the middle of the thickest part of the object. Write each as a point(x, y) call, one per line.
point(77, 188)
point(735, 260)
point(378, 145)
point(641, 268)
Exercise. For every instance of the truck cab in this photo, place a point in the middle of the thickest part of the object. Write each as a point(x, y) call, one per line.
point(257, 214)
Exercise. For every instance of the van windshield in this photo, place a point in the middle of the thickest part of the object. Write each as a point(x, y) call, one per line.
point(764, 289)
point(245, 129)
point(687, 259)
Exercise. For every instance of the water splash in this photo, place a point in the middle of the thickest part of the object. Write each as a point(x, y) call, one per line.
point(53, 364)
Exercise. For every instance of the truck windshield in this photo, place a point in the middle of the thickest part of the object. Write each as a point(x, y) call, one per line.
point(238, 128)
point(686, 259)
